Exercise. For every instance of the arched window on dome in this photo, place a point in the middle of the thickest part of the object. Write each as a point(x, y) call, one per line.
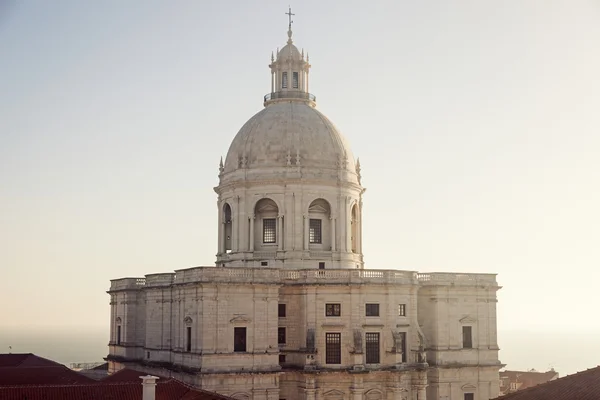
point(319, 225)
point(354, 228)
point(266, 229)
point(295, 80)
point(227, 227)
point(284, 80)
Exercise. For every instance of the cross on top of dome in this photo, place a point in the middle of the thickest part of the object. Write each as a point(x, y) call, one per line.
point(290, 14)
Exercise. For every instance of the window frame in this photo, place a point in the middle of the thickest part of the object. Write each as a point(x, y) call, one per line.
point(269, 233)
point(402, 310)
point(281, 335)
point(281, 310)
point(372, 310)
point(372, 348)
point(188, 339)
point(284, 80)
point(315, 233)
point(295, 80)
point(333, 348)
point(330, 309)
point(467, 337)
point(469, 396)
point(238, 346)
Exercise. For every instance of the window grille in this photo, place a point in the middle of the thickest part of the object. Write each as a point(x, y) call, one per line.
point(269, 230)
point(295, 80)
point(372, 310)
point(333, 310)
point(402, 310)
point(372, 347)
point(333, 348)
point(314, 232)
point(284, 82)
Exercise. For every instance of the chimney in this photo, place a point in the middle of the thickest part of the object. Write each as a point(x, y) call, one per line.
point(148, 387)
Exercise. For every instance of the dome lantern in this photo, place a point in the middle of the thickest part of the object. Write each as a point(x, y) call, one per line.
point(289, 73)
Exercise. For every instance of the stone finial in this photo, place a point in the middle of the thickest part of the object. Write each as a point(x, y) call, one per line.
point(303, 53)
point(243, 161)
point(221, 167)
point(272, 57)
point(358, 169)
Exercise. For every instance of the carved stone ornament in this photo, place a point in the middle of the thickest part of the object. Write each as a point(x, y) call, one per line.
point(187, 320)
point(240, 319)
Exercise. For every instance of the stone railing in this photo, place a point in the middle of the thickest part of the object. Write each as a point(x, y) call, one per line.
point(347, 276)
point(302, 276)
point(127, 283)
point(445, 278)
point(227, 275)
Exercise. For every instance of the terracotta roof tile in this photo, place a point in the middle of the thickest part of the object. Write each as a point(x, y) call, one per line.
point(25, 360)
point(583, 385)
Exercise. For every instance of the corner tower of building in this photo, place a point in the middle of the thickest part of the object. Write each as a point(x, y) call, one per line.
point(289, 193)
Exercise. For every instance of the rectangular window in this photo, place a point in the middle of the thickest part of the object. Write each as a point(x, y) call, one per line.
point(239, 339)
point(281, 358)
point(281, 335)
point(372, 310)
point(118, 334)
point(321, 265)
point(284, 80)
point(188, 338)
point(467, 336)
point(281, 311)
point(295, 80)
point(314, 231)
point(469, 396)
point(333, 310)
point(402, 310)
point(372, 347)
point(333, 348)
point(269, 230)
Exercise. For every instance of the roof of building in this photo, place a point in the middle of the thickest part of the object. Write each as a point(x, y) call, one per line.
point(165, 390)
point(289, 134)
point(27, 376)
point(583, 385)
point(22, 360)
point(29, 369)
point(525, 379)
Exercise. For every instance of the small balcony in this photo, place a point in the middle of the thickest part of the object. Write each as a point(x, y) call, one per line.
point(290, 95)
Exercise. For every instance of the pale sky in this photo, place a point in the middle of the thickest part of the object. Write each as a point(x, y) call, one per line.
point(477, 124)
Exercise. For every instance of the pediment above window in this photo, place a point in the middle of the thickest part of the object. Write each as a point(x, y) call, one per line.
point(240, 319)
point(317, 208)
point(468, 320)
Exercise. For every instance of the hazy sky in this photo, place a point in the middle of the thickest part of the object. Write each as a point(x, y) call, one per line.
point(477, 124)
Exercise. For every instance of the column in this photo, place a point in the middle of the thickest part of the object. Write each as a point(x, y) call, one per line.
point(272, 81)
point(309, 394)
point(251, 244)
point(220, 232)
point(306, 223)
point(348, 226)
point(280, 232)
point(332, 224)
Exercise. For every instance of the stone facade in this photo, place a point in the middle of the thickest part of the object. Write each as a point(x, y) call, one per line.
point(289, 312)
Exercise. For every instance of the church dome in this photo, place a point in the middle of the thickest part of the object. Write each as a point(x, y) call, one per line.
point(287, 51)
point(289, 133)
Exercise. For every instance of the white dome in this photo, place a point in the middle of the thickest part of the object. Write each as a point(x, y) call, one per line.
point(287, 51)
point(291, 134)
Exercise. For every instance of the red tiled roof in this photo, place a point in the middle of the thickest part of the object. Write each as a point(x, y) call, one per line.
point(60, 375)
point(126, 375)
point(166, 390)
point(524, 379)
point(583, 385)
point(25, 360)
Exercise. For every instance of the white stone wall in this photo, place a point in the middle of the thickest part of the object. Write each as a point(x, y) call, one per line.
point(213, 301)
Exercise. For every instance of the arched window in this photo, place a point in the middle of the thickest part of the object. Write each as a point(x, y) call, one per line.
point(227, 227)
point(118, 331)
point(188, 333)
point(266, 232)
point(319, 229)
point(284, 80)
